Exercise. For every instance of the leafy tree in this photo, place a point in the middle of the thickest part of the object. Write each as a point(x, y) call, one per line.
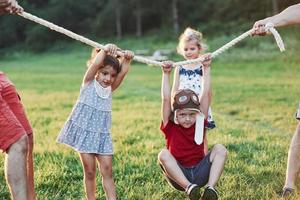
point(115, 18)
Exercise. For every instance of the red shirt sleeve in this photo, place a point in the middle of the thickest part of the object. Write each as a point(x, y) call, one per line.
point(165, 130)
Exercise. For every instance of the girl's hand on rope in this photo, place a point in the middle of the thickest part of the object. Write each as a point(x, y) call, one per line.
point(128, 55)
point(110, 49)
point(167, 67)
point(207, 60)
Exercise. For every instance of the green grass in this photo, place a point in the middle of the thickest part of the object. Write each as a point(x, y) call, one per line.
point(256, 91)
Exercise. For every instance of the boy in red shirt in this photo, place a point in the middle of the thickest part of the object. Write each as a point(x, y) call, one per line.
point(185, 163)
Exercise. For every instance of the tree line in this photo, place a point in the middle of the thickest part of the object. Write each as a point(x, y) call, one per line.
point(119, 18)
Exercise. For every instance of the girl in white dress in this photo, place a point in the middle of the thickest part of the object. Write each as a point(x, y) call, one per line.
point(189, 76)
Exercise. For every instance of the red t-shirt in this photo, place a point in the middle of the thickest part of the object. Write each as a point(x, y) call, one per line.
point(4, 81)
point(180, 142)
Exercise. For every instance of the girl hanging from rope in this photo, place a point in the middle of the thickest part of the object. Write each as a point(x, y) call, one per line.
point(189, 76)
point(87, 129)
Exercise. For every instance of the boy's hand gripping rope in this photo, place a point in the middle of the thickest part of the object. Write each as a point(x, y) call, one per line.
point(269, 28)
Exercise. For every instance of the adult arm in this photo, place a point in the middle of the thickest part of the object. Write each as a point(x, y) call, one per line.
point(289, 16)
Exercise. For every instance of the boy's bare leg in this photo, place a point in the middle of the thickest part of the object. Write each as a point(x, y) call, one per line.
point(172, 169)
point(218, 157)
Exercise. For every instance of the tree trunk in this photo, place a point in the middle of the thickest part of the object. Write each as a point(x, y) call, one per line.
point(175, 17)
point(118, 19)
point(138, 19)
point(275, 7)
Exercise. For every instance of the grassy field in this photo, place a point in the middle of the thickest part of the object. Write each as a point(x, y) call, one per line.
point(256, 92)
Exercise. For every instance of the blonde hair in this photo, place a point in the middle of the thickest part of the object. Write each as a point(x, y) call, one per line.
point(190, 34)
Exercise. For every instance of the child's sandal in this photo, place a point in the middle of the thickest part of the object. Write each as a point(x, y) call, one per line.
point(193, 192)
point(210, 193)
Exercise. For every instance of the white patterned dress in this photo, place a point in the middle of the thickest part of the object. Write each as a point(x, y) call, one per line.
point(87, 130)
point(192, 79)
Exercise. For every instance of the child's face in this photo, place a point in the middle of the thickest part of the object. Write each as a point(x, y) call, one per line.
point(186, 117)
point(191, 50)
point(106, 76)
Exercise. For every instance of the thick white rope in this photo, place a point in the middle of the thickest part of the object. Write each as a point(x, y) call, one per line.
point(269, 28)
point(79, 37)
point(218, 51)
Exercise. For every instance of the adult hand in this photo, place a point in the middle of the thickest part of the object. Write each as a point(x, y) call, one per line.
point(4, 3)
point(259, 27)
point(10, 6)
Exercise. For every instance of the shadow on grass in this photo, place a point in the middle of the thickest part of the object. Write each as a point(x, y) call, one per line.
point(250, 170)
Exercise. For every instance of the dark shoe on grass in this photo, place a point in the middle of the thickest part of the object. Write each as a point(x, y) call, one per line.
point(210, 125)
point(287, 192)
point(210, 194)
point(193, 192)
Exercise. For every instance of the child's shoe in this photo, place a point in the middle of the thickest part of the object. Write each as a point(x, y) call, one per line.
point(210, 125)
point(193, 192)
point(210, 193)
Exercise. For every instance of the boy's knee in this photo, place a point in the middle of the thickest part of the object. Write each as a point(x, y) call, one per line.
point(20, 146)
point(163, 155)
point(219, 149)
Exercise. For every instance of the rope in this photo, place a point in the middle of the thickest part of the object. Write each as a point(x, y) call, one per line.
point(79, 37)
point(218, 51)
point(269, 28)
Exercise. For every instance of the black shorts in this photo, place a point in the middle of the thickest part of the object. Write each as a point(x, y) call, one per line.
point(197, 174)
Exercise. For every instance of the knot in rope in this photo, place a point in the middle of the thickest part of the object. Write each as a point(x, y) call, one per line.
point(270, 29)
